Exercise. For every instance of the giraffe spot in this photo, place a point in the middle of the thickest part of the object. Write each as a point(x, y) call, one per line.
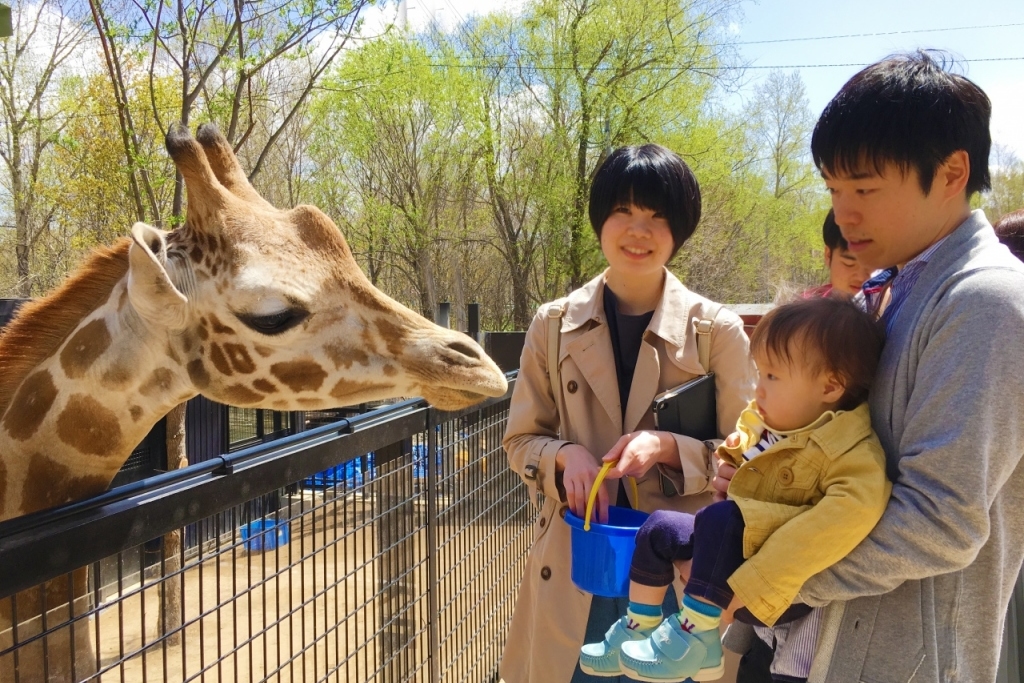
point(365, 298)
point(299, 375)
point(240, 359)
point(196, 254)
point(311, 403)
point(198, 374)
point(219, 360)
point(117, 376)
point(368, 340)
point(266, 386)
point(239, 395)
point(214, 267)
point(283, 405)
point(188, 341)
point(85, 346)
point(219, 327)
point(347, 389)
point(393, 336)
point(48, 483)
point(172, 354)
point(343, 356)
point(203, 333)
point(158, 383)
point(135, 412)
point(390, 370)
point(264, 351)
point(88, 426)
point(30, 405)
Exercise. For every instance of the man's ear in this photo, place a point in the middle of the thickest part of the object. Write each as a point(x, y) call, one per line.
point(953, 174)
point(150, 289)
point(828, 256)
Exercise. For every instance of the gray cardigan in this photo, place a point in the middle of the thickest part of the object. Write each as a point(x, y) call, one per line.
point(927, 591)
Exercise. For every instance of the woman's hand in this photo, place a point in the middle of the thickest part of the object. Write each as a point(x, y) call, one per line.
point(634, 454)
point(579, 470)
point(721, 481)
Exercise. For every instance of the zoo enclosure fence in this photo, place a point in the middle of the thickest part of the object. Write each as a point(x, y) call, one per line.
point(384, 547)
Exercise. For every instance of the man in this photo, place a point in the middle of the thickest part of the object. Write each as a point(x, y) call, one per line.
point(902, 148)
point(845, 273)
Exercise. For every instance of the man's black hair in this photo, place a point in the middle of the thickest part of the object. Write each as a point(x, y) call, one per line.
point(908, 110)
point(831, 234)
point(651, 177)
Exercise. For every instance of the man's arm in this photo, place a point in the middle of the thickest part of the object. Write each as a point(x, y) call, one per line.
point(963, 438)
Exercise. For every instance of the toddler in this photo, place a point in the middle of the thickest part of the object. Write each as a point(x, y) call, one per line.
point(809, 486)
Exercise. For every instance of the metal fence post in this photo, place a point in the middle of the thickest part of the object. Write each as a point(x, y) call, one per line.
point(395, 527)
point(444, 314)
point(433, 608)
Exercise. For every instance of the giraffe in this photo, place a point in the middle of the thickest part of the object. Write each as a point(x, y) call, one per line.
point(245, 303)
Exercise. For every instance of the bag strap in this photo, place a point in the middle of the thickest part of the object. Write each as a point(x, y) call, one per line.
point(703, 328)
point(555, 313)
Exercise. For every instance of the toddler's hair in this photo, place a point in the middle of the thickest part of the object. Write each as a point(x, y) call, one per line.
point(829, 334)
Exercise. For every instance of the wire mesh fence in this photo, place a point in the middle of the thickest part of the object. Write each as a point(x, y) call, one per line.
point(386, 550)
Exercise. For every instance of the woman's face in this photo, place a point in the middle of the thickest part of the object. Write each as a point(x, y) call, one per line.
point(637, 242)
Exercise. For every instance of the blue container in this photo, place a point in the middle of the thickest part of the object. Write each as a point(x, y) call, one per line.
point(265, 534)
point(601, 556)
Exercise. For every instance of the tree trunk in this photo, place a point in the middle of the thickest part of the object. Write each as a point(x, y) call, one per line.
point(171, 615)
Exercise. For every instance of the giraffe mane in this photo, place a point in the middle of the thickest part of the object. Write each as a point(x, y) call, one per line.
point(42, 325)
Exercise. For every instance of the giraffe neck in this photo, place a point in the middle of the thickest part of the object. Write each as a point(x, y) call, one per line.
point(77, 415)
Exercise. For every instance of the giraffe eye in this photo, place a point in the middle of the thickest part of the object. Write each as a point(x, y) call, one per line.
point(275, 323)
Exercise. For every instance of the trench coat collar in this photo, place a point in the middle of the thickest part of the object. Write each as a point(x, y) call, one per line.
point(670, 322)
point(587, 303)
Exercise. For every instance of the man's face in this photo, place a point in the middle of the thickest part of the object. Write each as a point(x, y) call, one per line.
point(886, 218)
point(846, 272)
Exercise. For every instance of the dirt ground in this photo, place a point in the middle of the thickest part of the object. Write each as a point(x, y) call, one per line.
point(327, 606)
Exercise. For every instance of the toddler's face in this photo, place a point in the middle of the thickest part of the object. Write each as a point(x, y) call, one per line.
point(788, 395)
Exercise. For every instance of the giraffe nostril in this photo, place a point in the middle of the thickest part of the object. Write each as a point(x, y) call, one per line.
point(464, 349)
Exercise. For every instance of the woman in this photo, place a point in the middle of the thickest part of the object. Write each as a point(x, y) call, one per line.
point(625, 336)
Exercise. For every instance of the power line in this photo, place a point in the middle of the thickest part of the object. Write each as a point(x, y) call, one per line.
point(871, 35)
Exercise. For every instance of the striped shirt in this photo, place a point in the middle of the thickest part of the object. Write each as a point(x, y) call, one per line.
point(902, 282)
point(768, 438)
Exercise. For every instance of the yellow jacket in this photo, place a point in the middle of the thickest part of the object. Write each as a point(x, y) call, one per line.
point(807, 501)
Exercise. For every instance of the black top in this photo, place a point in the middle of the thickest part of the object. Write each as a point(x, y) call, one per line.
point(627, 333)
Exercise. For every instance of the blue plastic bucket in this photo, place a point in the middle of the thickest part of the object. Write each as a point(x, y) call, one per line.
point(601, 556)
point(265, 534)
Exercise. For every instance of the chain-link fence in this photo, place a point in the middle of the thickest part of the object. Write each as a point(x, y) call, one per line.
point(387, 547)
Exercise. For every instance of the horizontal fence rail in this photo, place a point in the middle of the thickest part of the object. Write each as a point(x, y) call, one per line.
point(384, 547)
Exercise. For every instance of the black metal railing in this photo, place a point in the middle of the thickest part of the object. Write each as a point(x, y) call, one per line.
point(384, 547)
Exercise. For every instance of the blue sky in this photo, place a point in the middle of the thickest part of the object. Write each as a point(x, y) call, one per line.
point(894, 25)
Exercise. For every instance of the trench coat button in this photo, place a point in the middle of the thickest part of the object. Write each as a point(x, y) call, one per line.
point(545, 573)
point(785, 476)
point(562, 510)
point(543, 521)
point(571, 387)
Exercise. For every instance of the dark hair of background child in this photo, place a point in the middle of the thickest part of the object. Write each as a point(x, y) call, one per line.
point(908, 110)
point(824, 334)
point(831, 234)
point(651, 177)
point(1010, 231)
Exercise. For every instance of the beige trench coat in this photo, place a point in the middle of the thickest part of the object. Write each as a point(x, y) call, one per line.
point(550, 615)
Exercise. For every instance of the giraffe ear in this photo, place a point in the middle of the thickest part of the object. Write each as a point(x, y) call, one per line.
point(150, 289)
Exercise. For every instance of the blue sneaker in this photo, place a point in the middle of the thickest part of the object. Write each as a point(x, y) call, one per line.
point(672, 654)
point(602, 659)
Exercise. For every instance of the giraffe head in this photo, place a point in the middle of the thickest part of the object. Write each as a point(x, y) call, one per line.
point(267, 307)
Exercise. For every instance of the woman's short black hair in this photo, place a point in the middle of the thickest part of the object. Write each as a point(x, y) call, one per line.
point(908, 110)
point(1010, 231)
point(824, 334)
point(651, 177)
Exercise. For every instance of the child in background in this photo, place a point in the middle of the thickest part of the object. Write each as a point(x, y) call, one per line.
point(810, 484)
point(845, 273)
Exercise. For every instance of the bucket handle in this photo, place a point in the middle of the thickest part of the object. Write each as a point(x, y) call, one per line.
point(597, 484)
